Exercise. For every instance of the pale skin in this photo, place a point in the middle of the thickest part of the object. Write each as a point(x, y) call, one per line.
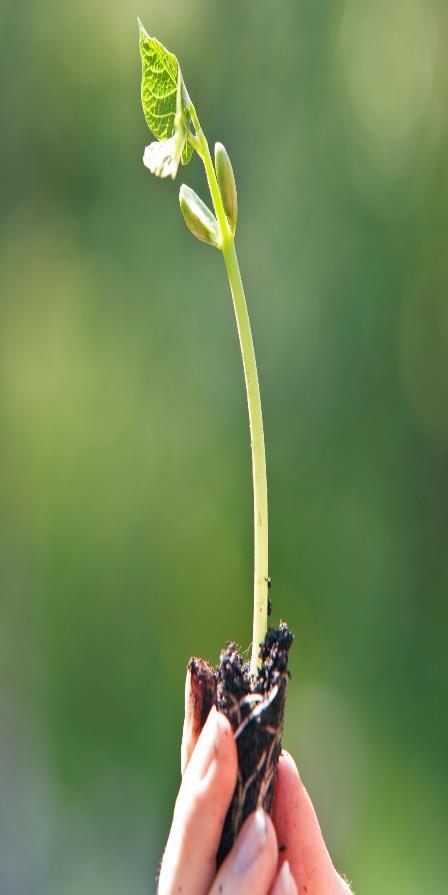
point(285, 855)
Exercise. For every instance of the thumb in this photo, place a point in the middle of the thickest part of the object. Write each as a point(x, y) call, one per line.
point(299, 835)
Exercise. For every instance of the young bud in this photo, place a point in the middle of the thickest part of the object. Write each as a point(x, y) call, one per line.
point(227, 185)
point(198, 218)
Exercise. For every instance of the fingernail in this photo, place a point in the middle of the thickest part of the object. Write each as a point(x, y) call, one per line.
point(286, 884)
point(250, 842)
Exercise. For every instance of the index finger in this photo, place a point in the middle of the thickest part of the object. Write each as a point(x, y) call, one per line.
point(189, 861)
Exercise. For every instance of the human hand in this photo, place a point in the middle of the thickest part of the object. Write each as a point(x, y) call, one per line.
point(255, 864)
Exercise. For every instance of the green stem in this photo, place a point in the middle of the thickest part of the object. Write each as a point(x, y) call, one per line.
point(253, 402)
point(260, 620)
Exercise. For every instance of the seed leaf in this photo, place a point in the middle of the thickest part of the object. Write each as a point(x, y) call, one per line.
point(163, 90)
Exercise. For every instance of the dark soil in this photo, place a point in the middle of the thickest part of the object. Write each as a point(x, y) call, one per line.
point(255, 708)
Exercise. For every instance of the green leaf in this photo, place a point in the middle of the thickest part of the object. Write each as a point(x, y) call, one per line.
point(162, 90)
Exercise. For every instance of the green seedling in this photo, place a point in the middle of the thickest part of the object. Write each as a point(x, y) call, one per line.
point(172, 118)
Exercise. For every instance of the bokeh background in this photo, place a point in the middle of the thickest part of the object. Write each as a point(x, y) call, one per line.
point(126, 526)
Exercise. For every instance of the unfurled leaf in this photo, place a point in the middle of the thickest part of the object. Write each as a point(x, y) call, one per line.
point(164, 96)
point(198, 218)
point(227, 185)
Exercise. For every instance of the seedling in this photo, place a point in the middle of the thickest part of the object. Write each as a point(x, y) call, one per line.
point(252, 698)
point(172, 118)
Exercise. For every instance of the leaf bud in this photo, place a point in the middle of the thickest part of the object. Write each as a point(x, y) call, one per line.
point(198, 218)
point(227, 185)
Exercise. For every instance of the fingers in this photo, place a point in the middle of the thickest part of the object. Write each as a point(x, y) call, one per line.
point(252, 863)
point(299, 835)
point(189, 862)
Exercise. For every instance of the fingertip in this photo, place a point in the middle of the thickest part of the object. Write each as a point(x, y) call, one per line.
point(288, 792)
point(200, 696)
point(224, 723)
point(212, 770)
point(256, 840)
point(288, 767)
point(224, 770)
point(225, 731)
point(201, 807)
point(252, 863)
point(298, 829)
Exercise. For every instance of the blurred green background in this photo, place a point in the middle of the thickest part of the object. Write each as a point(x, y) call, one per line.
point(126, 517)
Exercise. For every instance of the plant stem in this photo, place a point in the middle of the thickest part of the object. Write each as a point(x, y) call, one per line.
point(260, 620)
point(253, 401)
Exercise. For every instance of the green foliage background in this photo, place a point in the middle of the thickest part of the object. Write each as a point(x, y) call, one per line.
point(125, 541)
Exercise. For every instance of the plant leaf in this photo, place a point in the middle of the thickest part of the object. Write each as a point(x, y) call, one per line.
point(162, 90)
